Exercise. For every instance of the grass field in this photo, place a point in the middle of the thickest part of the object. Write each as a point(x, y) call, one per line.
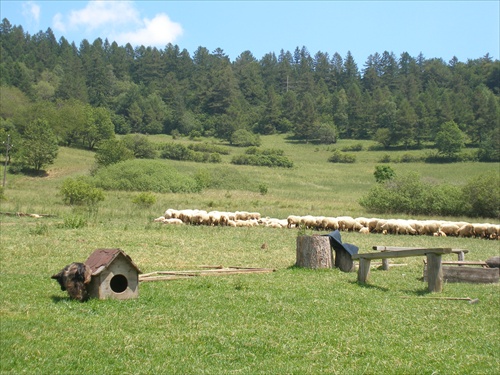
point(291, 321)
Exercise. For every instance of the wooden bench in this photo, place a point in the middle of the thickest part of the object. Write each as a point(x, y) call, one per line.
point(385, 262)
point(434, 267)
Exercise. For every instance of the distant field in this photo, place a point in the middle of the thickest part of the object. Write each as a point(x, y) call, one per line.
point(292, 321)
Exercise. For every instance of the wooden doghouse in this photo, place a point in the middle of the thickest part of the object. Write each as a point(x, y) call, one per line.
point(114, 275)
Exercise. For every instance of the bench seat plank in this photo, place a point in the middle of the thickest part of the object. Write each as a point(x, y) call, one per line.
point(403, 253)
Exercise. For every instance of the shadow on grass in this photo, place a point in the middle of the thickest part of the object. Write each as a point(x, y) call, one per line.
point(417, 293)
point(370, 286)
point(59, 299)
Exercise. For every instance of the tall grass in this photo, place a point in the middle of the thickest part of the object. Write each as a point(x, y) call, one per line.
point(292, 321)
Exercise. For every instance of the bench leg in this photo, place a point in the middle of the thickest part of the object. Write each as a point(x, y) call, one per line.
point(434, 272)
point(364, 270)
point(385, 264)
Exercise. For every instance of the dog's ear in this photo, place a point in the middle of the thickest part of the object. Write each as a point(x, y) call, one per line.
point(88, 274)
point(57, 275)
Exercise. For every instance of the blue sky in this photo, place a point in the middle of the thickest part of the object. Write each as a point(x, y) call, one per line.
point(443, 29)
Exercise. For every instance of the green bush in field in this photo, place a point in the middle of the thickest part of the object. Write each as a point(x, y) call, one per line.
point(209, 148)
point(266, 158)
point(144, 199)
point(74, 222)
point(176, 151)
point(410, 195)
point(112, 151)
point(383, 173)
point(339, 157)
point(244, 138)
point(483, 196)
point(145, 175)
point(81, 191)
point(353, 148)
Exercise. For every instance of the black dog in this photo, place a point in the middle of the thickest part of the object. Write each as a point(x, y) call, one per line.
point(74, 278)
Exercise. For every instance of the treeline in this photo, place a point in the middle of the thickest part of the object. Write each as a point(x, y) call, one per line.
point(84, 91)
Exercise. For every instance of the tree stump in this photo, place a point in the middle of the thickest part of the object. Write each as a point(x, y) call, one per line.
point(314, 252)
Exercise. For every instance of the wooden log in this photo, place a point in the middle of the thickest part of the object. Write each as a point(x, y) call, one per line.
point(385, 264)
point(314, 252)
point(468, 274)
point(364, 270)
point(434, 273)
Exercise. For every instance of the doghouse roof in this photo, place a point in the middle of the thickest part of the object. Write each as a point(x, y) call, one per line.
point(102, 258)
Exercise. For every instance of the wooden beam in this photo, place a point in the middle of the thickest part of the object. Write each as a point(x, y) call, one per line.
point(403, 253)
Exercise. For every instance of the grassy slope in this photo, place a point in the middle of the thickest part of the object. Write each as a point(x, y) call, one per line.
point(291, 321)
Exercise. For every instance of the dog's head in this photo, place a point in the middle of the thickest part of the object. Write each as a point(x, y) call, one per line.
point(74, 278)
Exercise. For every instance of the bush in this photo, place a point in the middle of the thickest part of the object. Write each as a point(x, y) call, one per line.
point(353, 148)
point(482, 196)
point(81, 191)
point(244, 138)
point(176, 151)
point(263, 189)
point(226, 178)
point(140, 146)
point(112, 151)
point(73, 222)
point(383, 173)
point(266, 158)
point(339, 157)
point(209, 148)
point(144, 199)
point(145, 175)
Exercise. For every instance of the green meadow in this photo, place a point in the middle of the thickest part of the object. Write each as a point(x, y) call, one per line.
point(291, 321)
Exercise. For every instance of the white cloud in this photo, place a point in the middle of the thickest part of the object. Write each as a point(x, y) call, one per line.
point(119, 21)
point(158, 31)
point(104, 13)
point(31, 11)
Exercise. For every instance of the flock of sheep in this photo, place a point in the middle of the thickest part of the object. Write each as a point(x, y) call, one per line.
point(343, 223)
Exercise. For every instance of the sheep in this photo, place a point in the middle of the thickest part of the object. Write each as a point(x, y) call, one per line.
point(439, 234)
point(330, 223)
point(449, 229)
point(346, 223)
point(430, 227)
point(308, 221)
point(293, 221)
point(364, 230)
point(174, 221)
point(159, 219)
point(466, 230)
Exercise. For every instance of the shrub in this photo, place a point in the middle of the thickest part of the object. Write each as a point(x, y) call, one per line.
point(482, 196)
point(267, 158)
point(81, 191)
point(226, 178)
point(244, 138)
point(112, 151)
point(145, 175)
point(263, 189)
point(386, 158)
point(176, 151)
point(339, 157)
point(209, 148)
point(383, 173)
point(140, 146)
point(74, 222)
point(353, 148)
point(144, 199)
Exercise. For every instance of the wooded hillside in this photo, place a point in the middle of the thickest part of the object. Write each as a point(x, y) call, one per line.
point(86, 92)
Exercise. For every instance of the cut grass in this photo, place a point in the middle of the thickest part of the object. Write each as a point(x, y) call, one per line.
point(292, 321)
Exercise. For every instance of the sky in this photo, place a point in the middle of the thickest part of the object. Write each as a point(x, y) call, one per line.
point(437, 29)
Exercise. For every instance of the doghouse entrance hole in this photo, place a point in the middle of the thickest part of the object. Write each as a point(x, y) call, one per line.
point(118, 283)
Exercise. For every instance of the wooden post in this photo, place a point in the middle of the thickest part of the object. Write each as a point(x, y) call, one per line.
point(364, 270)
point(434, 272)
point(385, 264)
point(314, 252)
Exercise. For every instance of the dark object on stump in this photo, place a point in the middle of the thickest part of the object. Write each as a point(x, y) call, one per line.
point(343, 252)
point(314, 252)
point(493, 262)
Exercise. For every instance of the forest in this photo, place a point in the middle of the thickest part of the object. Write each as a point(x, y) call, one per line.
point(82, 95)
